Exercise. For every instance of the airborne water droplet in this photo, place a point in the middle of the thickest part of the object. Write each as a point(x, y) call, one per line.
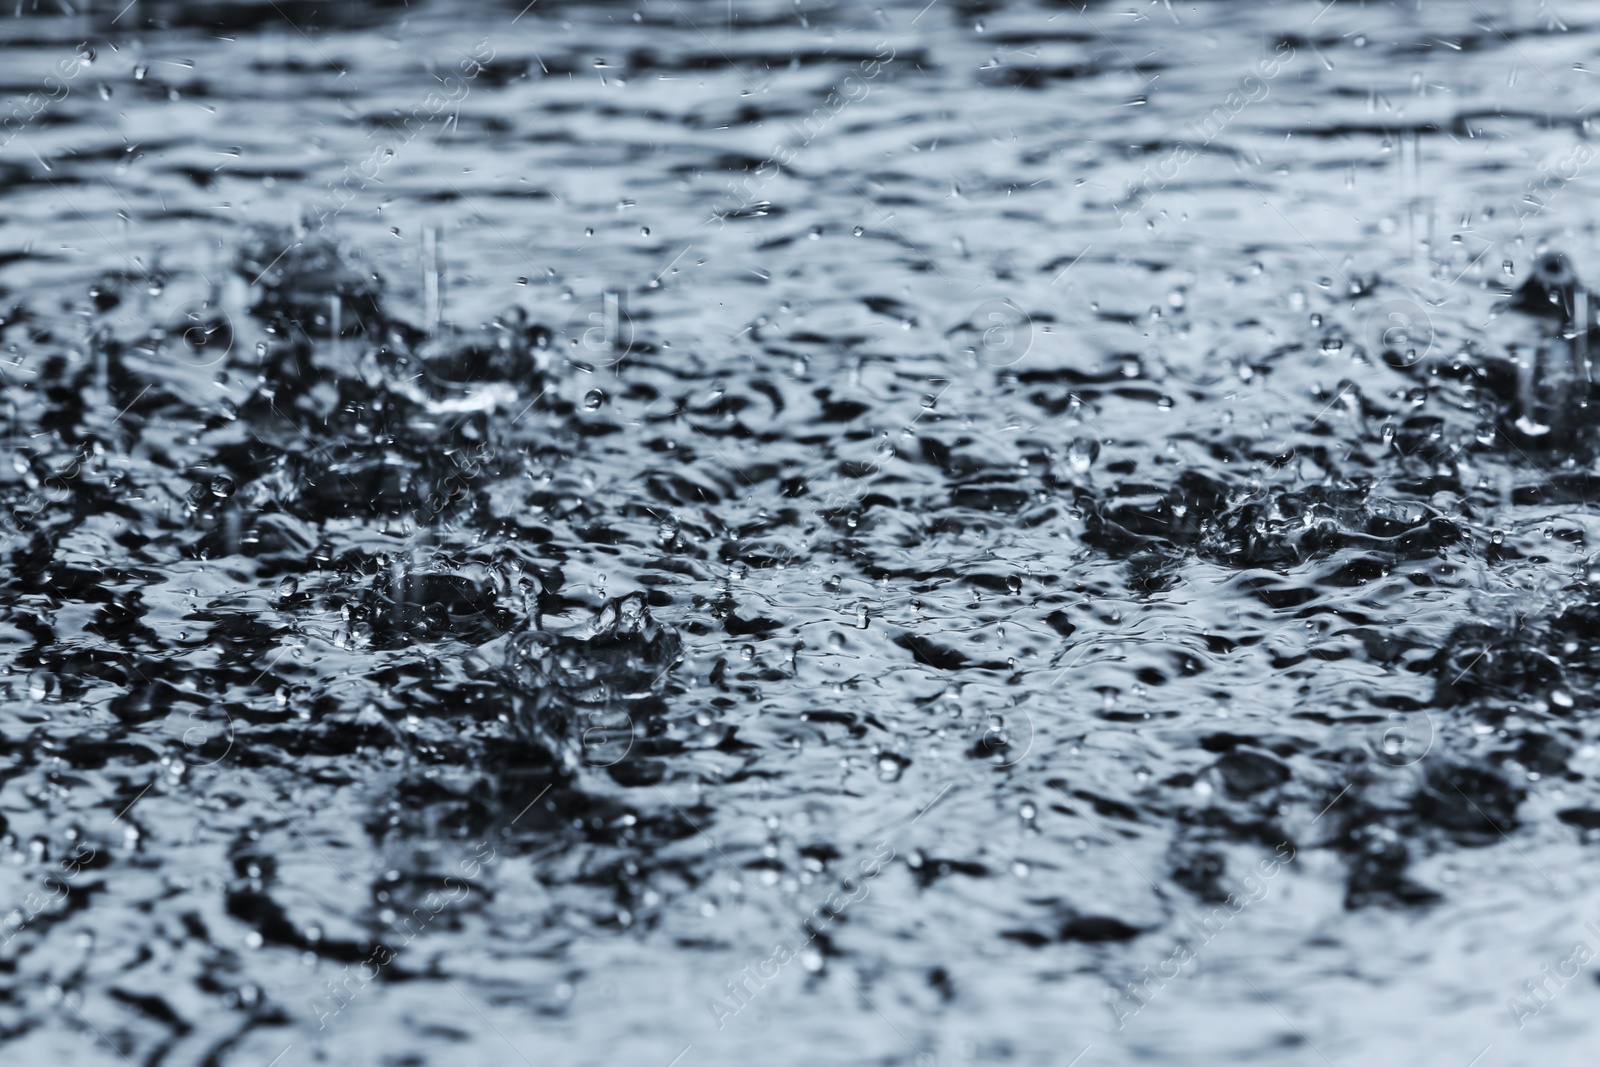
point(1081, 454)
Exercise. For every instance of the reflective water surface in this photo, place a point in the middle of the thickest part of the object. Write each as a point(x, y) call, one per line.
point(689, 533)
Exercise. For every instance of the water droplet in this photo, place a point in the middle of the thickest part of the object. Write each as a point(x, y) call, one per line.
point(1081, 454)
point(593, 399)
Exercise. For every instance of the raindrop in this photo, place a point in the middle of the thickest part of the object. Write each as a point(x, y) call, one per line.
point(1081, 454)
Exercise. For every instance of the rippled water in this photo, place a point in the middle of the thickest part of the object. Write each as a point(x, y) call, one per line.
point(933, 533)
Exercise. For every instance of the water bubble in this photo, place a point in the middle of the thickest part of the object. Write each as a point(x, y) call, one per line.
point(1405, 739)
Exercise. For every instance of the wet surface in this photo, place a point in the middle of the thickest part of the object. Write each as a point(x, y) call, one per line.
point(665, 532)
